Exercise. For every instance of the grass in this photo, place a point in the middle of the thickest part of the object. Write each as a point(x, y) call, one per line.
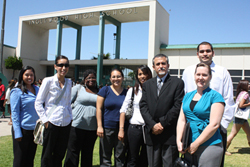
point(239, 149)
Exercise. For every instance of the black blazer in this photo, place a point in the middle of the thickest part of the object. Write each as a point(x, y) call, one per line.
point(164, 108)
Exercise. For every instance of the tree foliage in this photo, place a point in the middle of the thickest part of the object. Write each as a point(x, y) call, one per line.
point(13, 63)
point(105, 56)
point(131, 75)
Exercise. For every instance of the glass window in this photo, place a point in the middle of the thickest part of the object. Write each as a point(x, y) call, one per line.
point(247, 72)
point(173, 71)
point(236, 79)
point(235, 72)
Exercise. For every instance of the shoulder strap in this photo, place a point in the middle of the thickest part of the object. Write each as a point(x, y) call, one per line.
point(58, 99)
point(241, 97)
point(133, 94)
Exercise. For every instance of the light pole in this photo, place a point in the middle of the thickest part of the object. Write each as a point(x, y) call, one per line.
point(2, 36)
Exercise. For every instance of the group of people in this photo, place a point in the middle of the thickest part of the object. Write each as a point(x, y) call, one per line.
point(75, 116)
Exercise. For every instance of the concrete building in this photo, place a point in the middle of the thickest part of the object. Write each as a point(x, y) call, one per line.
point(33, 38)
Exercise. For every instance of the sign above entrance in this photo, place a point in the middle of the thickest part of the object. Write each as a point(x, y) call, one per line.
point(128, 11)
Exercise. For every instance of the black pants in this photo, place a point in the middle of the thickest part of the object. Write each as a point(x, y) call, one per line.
point(162, 155)
point(80, 140)
point(55, 145)
point(137, 148)
point(24, 150)
point(223, 133)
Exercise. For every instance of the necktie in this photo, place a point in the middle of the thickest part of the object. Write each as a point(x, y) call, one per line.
point(159, 85)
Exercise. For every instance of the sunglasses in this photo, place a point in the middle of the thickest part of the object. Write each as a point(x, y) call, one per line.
point(208, 51)
point(61, 65)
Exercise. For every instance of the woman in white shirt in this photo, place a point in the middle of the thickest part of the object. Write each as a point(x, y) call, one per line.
point(137, 148)
point(7, 99)
point(58, 122)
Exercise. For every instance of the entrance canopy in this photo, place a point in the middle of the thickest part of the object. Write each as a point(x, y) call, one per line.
point(33, 31)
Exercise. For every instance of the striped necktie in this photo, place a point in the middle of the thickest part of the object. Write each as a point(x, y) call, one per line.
point(159, 85)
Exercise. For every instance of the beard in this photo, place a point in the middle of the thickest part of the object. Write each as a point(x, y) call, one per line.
point(162, 71)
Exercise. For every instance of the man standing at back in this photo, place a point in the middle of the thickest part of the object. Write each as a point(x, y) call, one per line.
point(221, 82)
point(160, 107)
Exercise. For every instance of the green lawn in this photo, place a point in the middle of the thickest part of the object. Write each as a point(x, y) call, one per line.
point(239, 149)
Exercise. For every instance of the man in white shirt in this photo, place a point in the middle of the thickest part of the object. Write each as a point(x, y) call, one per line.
point(221, 82)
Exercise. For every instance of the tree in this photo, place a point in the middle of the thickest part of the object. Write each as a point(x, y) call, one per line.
point(105, 56)
point(13, 63)
point(131, 75)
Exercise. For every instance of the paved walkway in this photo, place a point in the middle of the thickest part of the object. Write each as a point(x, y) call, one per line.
point(5, 129)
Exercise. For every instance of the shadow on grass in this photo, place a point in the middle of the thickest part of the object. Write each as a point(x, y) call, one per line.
point(242, 150)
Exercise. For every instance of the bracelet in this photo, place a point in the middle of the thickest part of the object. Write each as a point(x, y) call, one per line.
point(121, 127)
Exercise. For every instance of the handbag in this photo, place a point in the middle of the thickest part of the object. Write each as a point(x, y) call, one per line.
point(182, 162)
point(242, 113)
point(186, 136)
point(130, 109)
point(39, 128)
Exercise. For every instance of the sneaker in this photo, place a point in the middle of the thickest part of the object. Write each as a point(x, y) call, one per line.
point(3, 116)
point(228, 153)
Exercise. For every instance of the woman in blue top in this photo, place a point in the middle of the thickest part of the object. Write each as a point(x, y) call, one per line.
point(203, 108)
point(83, 130)
point(109, 102)
point(24, 118)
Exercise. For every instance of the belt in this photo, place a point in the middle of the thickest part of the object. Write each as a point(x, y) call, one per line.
point(136, 126)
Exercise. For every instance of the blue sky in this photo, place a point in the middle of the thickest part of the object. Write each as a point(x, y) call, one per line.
point(191, 22)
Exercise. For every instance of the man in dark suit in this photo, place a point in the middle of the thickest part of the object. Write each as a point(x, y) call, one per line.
point(160, 107)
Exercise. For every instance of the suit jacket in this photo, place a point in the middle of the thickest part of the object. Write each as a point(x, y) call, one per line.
point(164, 108)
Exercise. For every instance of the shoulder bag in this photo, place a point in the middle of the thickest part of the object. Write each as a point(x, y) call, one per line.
point(186, 136)
point(242, 113)
point(181, 161)
point(39, 128)
point(130, 109)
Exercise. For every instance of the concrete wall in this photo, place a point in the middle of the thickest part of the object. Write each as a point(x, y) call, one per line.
point(234, 58)
point(158, 30)
point(33, 46)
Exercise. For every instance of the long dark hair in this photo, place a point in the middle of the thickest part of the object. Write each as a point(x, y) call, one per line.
point(146, 71)
point(11, 84)
point(21, 84)
point(242, 86)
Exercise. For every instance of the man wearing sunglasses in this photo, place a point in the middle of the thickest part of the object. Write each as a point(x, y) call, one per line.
point(221, 82)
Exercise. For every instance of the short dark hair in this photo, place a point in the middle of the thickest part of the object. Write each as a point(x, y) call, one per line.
point(61, 57)
point(161, 55)
point(203, 65)
point(0, 79)
point(21, 84)
point(242, 86)
point(86, 73)
point(205, 43)
point(117, 69)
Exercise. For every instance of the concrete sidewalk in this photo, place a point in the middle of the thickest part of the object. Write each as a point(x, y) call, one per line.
point(5, 129)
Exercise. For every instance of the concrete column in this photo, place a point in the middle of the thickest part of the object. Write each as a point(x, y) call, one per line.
point(100, 48)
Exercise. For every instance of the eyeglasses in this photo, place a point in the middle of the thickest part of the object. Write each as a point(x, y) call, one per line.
point(61, 65)
point(208, 51)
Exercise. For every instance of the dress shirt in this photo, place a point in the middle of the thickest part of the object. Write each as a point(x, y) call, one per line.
point(221, 82)
point(7, 96)
point(23, 111)
point(136, 117)
point(162, 79)
point(49, 92)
